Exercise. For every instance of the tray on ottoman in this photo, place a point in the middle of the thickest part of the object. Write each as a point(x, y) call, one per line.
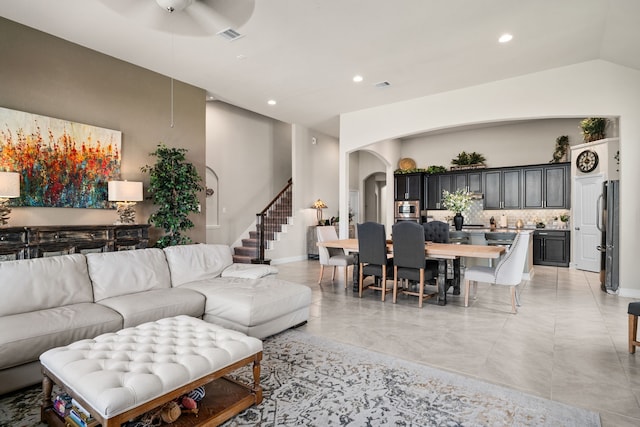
point(122, 375)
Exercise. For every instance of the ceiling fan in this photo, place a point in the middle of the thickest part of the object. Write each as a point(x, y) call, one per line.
point(186, 17)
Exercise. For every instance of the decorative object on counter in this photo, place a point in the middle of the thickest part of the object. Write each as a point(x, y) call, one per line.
point(593, 128)
point(173, 187)
point(318, 205)
point(457, 202)
point(519, 223)
point(466, 160)
point(564, 218)
point(9, 189)
point(436, 169)
point(126, 194)
point(503, 221)
point(492, 223)
point(539, 224)
point(560, 153)
point(407, 163)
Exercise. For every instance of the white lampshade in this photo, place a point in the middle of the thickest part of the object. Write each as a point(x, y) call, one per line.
point(9, 184)
point(125, 191)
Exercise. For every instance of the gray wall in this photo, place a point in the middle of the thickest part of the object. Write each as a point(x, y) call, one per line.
point(46, 75)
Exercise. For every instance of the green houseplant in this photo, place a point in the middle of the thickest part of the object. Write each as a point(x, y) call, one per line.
point(593, 128)
point(173, 186)
point(560, 152)
point(468, 159)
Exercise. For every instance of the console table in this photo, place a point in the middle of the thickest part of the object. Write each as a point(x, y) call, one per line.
point(41, 241)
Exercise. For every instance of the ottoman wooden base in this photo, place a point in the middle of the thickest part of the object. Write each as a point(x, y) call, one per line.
point(224, 398)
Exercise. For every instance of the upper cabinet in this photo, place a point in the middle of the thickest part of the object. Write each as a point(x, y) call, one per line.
point(408, 186)
point(502, 188)
point(435, 184)
point(547, 187)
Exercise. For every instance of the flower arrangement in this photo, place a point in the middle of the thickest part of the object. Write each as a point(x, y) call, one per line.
point(457, 202)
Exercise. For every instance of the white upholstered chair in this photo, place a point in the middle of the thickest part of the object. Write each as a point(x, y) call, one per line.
point(335, 257)
point(507, 272)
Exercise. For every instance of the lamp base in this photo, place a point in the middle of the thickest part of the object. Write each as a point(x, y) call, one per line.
point(126, 213)
point(5, 210)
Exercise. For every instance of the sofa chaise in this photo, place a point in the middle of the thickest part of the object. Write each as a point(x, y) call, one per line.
point(51, 302)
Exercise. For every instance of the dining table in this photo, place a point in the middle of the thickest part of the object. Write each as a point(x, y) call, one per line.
point(442, 252)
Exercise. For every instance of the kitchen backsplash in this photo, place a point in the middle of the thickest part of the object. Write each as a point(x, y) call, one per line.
point(477, 215)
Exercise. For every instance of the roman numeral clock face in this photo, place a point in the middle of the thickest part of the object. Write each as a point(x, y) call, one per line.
point(587, 161)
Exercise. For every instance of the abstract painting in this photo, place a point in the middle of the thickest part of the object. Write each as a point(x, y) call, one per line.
point(63, 164)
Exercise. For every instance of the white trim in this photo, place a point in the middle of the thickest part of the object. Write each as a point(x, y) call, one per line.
point(629, 293)
point(288, 259)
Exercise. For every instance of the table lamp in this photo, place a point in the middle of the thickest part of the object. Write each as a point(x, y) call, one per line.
point(318, 205)
point(9, 189)
point(125, 194)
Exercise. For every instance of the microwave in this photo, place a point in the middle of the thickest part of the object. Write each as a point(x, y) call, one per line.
point(407, 209)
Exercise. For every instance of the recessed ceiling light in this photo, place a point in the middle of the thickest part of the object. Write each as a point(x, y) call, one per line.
point(358, 78)
point(272, 102)
point(505, 38)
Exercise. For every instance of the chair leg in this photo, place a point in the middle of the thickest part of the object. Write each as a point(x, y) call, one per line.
point(346, 274)
point(421, 296)
point(383, 279)
point(333, 274)
point(360, 281)
point(633, 331)
point(395, 283)
point(513, 299)
point(321, 273)
point(466, 292)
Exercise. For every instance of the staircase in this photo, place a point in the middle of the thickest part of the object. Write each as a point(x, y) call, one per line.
point(271, 220)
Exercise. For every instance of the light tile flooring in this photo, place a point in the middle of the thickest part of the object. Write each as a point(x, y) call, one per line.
point(568, 342)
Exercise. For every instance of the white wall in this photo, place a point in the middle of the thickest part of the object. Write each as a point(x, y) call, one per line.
point(612, 91)
point(522, 143)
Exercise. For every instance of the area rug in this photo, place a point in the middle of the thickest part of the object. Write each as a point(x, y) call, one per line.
point(311, 381)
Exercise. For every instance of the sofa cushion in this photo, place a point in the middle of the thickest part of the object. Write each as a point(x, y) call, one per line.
point(249, 271)
point(42, 283)
point(250, 302)
point(192, 263)
point(126, 272)
point(23, 337)
point(156, 304)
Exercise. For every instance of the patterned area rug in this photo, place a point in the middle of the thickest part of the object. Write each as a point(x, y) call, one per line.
point(311, 381)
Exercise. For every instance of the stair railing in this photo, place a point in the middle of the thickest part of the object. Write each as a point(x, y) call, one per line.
point(271, 218)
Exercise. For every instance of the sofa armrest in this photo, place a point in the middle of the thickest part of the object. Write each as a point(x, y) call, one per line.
point(249, 271)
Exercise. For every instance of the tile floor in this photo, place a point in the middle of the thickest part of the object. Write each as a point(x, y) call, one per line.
point(568, 342)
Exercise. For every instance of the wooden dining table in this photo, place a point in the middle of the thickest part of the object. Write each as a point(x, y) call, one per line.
point(442, 252)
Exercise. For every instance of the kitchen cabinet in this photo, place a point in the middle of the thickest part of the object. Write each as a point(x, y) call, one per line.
point(546, 187)
point(467, 181)
point(435, 184)
point(502, 188)
point(408, 186)
point(551, 247)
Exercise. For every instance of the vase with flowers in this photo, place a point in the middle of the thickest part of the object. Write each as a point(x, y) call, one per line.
point(458, 202)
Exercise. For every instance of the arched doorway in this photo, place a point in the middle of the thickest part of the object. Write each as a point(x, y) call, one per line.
point(374, 197)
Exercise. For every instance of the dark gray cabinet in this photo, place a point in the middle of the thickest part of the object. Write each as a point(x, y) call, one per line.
point(467, 181)
point(552, 247)
point(408, 186)
point(435, 184)
point(502, 188)
point(546, 187)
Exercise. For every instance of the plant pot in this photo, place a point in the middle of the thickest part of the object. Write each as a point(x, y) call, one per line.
point(458, 220)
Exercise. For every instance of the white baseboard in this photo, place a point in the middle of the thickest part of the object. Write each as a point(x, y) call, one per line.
point(288, 259)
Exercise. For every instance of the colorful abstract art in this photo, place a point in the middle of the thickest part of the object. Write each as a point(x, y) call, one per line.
point(63, 164)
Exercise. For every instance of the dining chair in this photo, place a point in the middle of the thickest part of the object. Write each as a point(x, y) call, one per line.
point(334, 257)
point(436, 232)
point(409, 260)
point(373, 258)
point(507, 272)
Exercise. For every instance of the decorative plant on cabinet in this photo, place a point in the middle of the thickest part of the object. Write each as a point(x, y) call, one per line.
point(593, 128)
point(173, 186)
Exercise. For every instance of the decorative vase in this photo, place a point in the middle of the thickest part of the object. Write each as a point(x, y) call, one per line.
point(458, 219)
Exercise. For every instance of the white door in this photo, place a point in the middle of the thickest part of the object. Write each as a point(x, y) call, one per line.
point(586, 236)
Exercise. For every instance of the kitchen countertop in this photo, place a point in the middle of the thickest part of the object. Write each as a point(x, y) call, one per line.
point(507, 230)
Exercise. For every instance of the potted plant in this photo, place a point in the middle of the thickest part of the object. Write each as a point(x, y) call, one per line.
point(560, 153)
point(173, 187)
point(565, 219)
point(593, 128)
point(457, 202)
point(468, 160)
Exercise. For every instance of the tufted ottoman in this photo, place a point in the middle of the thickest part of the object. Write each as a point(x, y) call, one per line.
point(119, 376)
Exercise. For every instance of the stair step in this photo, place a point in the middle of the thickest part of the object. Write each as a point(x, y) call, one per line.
point(251, 243)
point(244, 251)
point(241, 259)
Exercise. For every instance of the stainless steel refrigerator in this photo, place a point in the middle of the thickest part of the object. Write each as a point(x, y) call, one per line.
point(609, 225)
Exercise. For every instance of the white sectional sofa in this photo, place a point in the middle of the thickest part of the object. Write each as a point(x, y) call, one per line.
point(51, 302)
